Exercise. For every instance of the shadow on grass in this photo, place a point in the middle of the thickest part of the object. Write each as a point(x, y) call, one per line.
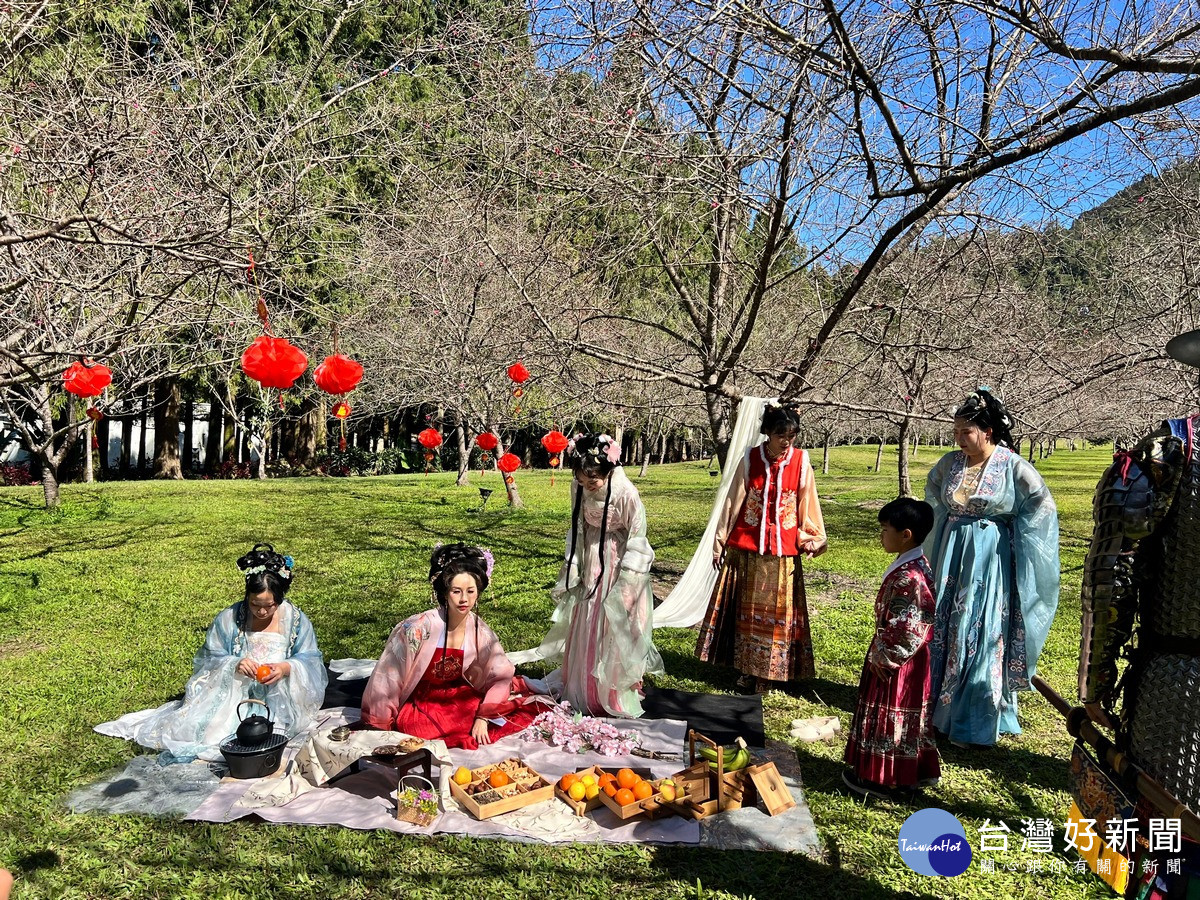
point(764, 874)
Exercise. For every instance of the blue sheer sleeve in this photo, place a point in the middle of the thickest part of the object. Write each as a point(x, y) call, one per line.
point(1035, 558)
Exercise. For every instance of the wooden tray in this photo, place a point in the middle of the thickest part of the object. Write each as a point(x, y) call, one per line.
point(543, 791)
point(651, 807)
point(776, 796)
point(580, 807)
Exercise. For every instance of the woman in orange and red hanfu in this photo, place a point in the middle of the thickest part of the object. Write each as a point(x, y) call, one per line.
point(443, 674)
point(757, 619)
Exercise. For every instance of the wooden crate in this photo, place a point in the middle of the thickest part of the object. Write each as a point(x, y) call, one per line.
point(710, 790)
point(543, 791)
point(651, 807)
point(585, 806)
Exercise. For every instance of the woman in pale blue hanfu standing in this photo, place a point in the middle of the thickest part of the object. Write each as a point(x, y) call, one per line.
point(994, 555)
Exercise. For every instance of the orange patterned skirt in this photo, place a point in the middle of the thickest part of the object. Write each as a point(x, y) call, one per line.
point(757, 618)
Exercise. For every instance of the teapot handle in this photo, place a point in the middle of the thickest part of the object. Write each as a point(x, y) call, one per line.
point(242, 718)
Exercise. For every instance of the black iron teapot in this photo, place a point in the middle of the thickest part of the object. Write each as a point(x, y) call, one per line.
point(255, 729)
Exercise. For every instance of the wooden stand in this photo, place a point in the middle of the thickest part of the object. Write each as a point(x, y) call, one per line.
point(774, 793)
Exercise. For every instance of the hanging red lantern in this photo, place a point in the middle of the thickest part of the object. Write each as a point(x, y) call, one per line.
point(518, 373)
point(555, 442)
point(341, 410)
point(338, 374)
point(508, 463)
point(430, 438)
point(86, 381)
point(486, 441)
point(274, 362)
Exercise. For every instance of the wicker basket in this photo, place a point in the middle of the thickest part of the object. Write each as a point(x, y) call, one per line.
point(407, 800)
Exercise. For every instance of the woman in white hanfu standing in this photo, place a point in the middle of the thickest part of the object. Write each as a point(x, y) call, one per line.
point(603, 619)
point(261, 648)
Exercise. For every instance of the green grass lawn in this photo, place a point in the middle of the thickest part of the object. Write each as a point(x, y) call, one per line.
point(104, 602)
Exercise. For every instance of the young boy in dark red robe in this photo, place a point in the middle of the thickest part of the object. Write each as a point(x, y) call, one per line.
point(891, 741)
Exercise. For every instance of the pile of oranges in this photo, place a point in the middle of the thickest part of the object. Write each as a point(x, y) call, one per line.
point(625, 787)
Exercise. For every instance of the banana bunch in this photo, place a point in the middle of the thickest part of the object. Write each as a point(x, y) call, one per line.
point(736, 756)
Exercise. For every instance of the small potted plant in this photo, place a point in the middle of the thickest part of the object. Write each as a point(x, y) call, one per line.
point(416, 801)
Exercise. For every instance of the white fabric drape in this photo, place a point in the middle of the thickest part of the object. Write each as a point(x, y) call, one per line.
point(687, 603)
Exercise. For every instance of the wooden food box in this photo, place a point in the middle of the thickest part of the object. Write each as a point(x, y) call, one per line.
point(651, 807)
point(527, 787)
point(585, 806)
point(710, 790)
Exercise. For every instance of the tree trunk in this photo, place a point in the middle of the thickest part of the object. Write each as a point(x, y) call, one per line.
point(905, 481)
point(143, 463)
point(720, 414)
point(166, 428)
point(229, 436)
point(216, 428)
point(825, 455)
point(879, 455)
point(124, 460)
point(260, 471)
point(102, 438)
point(88, 432)
point(662, 447)
point(648, 449)
point(187, 461)
point(309, 432)
point(510, 482)
point(464, 453)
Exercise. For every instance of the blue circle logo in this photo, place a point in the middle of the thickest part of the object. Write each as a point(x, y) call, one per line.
point(933, 842)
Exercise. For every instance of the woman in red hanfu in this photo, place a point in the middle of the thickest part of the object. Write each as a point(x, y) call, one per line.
point(443, 674)
point(891, 742)
point(757, 619)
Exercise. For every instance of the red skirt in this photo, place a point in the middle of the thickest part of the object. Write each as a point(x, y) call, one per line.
point(891, 740)
point(444, 708)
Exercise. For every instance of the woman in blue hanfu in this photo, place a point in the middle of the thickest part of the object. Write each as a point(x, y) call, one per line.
point(994, 555)
point(261, 648)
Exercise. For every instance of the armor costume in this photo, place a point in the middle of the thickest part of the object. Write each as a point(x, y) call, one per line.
point(1144, 564)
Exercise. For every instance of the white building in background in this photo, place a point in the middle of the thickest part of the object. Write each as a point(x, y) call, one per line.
point(13, 451)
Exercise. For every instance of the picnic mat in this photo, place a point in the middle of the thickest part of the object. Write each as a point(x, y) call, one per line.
point(149, 785)
point(364, 801)
point(722, 717)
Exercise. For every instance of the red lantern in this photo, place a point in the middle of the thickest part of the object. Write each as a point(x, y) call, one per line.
point(430, 438)
point(508, 463)
point(273, 362)
point(555, 442)
point(338, 374)
point(341, 410)
point(86, 381)
point(486, 441)
point(518, 373)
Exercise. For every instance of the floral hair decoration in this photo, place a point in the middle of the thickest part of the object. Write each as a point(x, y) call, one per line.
point(593, 451)
point(263, 559)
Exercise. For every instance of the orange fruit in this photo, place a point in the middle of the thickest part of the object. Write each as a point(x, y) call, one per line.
point(462, 775)
point(577, 791)
point(498, 779)
point(262, 673)
point(610, 789)
point(606, 778)
point(642, 790)
point(626, 778)
point(567, 780)
point(624, 797)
